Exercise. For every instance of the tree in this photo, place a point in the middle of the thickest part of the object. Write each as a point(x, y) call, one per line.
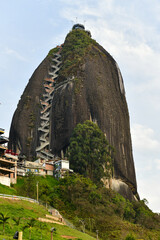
point(30, 225)
point(89, 152)
point(42, 226)
point(44, 192)
point(17, 220)
point(3, 220)
point(30, 185)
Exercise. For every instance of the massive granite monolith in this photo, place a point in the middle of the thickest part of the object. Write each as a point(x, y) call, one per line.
point(75, 82)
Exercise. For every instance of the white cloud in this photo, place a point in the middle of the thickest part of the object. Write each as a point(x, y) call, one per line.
point(157, 162)
point(149, 190)
point(122, 32)
point(144, 139)
point(146, 154)
point(14, 53)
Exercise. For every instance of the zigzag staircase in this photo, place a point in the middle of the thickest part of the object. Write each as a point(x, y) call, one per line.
point(43, 150)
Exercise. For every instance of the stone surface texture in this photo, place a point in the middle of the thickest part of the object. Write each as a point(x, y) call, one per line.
point(95, 92)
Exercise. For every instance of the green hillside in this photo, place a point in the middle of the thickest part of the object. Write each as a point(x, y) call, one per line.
point(88, 207)
point(27, 211)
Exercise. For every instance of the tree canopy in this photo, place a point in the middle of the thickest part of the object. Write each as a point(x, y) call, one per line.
point(89, 152)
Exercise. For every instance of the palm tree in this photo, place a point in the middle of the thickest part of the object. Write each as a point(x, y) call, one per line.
point(83, 225)
point(3, 220)
point(17, 220)
point(30, 225)
point(42, 226)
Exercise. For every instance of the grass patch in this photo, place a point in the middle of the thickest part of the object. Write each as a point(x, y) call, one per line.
point(7, 190)
point(26, 211)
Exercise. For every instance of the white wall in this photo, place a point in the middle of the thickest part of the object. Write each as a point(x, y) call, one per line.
point(65, 164)
point(5, 181)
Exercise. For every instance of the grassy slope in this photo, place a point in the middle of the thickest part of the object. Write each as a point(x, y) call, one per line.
point(7, 190)
point(27, 210)
point(74, 207)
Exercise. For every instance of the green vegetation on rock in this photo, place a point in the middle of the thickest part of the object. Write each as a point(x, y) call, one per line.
point(52, 51)
point(75, 48)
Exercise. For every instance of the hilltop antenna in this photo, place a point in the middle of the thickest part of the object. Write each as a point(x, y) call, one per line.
point(84, 22)
point(72, 22)
point(76, 19)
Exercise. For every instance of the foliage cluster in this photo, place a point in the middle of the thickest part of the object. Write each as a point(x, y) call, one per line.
point(82, 199)
point(52, 51)
point(130, 237)
point(74, 49)
point(92, 208)
point(27, 186)
point(89, 152)
point(101, 208)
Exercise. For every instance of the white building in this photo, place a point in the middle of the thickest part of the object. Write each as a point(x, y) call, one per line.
point(61, 167)
point(8, 162)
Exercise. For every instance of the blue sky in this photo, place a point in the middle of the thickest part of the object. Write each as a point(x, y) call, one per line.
point(128, 29)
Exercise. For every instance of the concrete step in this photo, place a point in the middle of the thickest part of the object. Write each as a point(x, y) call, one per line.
point(49, 221)
point(43, 130)
point(48, 154)
point(42, 146)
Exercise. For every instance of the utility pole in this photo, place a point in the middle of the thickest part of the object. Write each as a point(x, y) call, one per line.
point(97, 234)
point(52, 230)
point(37, 191)
point(20, 235)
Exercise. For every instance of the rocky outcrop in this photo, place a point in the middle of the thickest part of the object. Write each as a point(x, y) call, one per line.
point(89, 86)
point(23, 137)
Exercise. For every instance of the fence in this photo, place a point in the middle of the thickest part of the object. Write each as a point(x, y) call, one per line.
point(13, 197)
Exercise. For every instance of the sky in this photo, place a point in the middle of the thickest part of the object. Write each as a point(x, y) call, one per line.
point(128, 29)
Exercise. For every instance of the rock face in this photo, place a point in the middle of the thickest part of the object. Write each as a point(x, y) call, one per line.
point(88, 86)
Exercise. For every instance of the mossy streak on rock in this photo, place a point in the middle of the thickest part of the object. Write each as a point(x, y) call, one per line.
point(32, 119)
point(75, 48)
point(52, 51)
point(77, 85)
point(27, 102)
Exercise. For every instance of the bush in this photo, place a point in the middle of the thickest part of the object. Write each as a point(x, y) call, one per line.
point(78, 198)
point(74, 49)
point(130, 237)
